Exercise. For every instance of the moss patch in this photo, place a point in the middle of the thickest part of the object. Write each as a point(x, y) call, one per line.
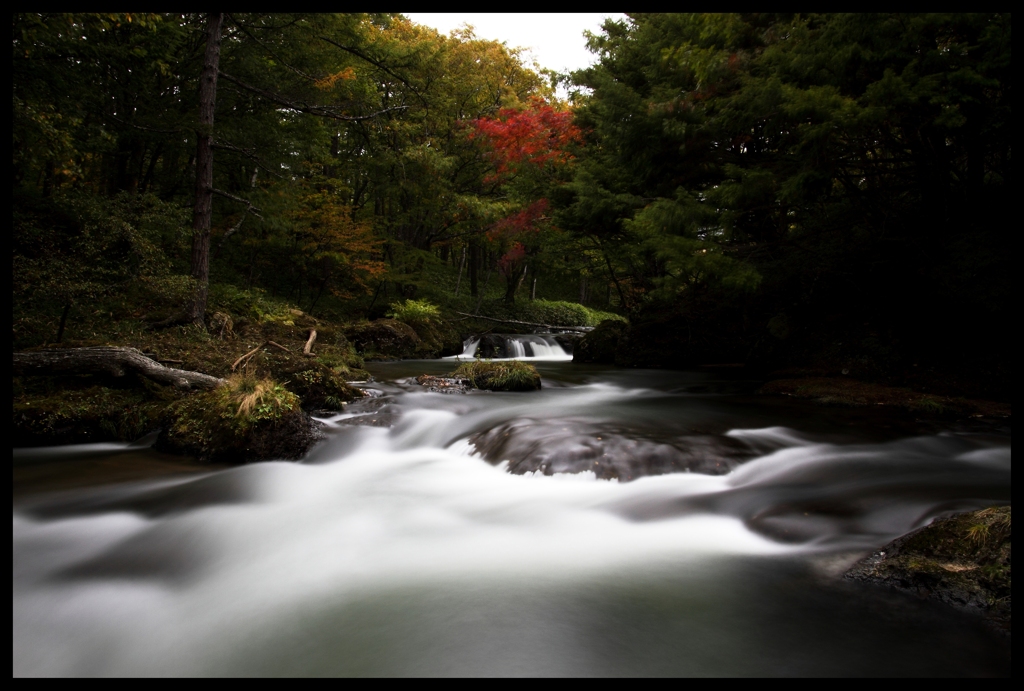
point(385, 339)
point(512, 375)
point(247, 419)
point(850, 392)
point(91, 414)
point(320, 387)
point(963, 560)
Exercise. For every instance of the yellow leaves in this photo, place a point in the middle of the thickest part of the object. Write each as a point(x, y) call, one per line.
point(330, 80)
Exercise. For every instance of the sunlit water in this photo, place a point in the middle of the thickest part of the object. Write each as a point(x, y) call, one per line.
point(518, 534)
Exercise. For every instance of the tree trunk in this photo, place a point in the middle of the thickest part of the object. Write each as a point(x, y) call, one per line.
point(108, 360)
point(462, 266)
point(204, 172)
point(63, 321)
point(474, 263)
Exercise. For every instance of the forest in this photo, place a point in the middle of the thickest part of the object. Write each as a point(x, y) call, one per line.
point(814, 191)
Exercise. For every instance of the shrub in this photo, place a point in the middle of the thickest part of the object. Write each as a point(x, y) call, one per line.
point(414, 312)
point(511, 375)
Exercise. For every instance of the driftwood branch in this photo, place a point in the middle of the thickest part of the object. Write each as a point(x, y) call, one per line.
point(515, 321)
point(308, 350)
point(108, 360)
point(255, 350)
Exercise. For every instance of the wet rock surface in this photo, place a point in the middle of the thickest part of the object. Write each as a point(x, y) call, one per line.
point(384, 339)
point(962, 560)
point(575, 446)
point(445, 384)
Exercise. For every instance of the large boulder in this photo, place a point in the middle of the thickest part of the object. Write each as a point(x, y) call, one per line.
point(962, 560)
point(247, 419)
point(385, 339)
point(601, 345)
point(318, 386)
point(492, 346)
point(437, 338)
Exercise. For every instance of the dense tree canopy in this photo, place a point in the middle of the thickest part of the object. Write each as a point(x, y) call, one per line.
point(779, 188)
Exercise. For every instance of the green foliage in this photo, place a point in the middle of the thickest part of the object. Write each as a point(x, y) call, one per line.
point(414, 312)
point(253, 303)
point(511, 375)
point(554, 312)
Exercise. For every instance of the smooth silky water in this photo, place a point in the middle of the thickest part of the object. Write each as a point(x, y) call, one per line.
point(436, 534)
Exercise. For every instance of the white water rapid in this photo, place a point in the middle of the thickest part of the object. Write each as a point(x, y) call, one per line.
point(427, 536)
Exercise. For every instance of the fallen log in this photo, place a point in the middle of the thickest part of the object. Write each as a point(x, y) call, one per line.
point(515, 321)
point(110, 360)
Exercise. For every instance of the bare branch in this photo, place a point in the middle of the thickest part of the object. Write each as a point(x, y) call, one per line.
point(321, 111)
point(514, 321)
point(248, 204)
point(219, 144)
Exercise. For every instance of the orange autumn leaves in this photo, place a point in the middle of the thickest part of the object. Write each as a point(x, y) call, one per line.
point(341, 252)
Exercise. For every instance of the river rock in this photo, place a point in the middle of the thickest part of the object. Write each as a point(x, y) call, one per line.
point(492, 346)
point(600, 346)
point(568, 341)
point(962, 560)
point(384, 339)
point(444, 384)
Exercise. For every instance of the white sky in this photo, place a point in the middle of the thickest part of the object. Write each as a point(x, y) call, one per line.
point(555, 40)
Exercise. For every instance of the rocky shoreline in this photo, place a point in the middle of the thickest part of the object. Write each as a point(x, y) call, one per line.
point(962, 560)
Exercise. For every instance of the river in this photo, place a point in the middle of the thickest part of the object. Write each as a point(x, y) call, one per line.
point(617, 522)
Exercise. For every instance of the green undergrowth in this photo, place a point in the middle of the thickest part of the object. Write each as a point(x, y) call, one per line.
point(553, 312)
point(84, 412)
point(511, 375)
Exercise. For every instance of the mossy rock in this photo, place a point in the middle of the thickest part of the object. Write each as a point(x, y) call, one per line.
point(248, 419)
point(963, 560)
point(385, 339)
point(85, 415)
point(512, 375)
point(438, 339)
point(601, 345)
point(320, 387)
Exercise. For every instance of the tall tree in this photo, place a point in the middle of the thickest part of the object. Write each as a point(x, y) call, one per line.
point(203, 210)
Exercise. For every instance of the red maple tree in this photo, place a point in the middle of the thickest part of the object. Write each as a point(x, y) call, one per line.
point(535, 135)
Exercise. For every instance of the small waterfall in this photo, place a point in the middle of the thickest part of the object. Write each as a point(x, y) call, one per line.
point(468, 350)
point(513, 347)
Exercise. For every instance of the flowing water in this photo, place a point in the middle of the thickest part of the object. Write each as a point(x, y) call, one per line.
point(614, 523)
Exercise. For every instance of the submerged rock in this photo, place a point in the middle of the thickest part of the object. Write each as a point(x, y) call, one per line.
point(962, 560)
